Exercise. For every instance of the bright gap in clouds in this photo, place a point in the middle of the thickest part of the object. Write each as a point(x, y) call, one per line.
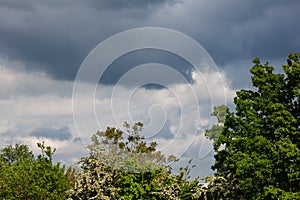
point(36, 108)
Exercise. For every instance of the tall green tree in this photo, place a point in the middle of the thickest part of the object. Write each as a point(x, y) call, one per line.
point(258, 151)
point(22, 176)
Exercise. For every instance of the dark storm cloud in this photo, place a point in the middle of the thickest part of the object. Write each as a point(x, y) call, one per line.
point(18, 5)
point(55, 36)
point(136, 58)
point(117, 4)
point(60, 134)
point(234, 30)
point(38, 38)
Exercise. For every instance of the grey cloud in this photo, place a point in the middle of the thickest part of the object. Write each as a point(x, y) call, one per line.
point(117, 4)
point(52, 133)
point(164, 133)
point(134, 59)
point(55, 40)
point(77, 140)
point(55, 36)
point(234, 71)
point(234, 30)
point(15, 82)
point(18, 5)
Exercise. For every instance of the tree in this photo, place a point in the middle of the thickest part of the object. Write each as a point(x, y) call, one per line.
point(24, 177)
point(119, 168)
point(258, 151)
point(11, 155)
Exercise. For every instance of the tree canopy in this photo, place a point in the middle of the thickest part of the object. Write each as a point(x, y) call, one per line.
point(129, 169)
point(258, 150)
point(22, 176)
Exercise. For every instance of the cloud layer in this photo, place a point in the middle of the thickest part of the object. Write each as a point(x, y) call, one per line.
point(55, 36)
point(173, 116)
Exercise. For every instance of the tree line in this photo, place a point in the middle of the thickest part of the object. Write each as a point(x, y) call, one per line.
point(257, 154)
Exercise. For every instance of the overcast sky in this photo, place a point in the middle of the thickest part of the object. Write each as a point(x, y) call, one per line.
point(43, 44)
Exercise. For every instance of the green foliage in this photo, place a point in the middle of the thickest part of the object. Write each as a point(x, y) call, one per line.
point(215, 131)
point(139, 186)
point(214, 188)
point(133, 155)
point(128, 169)
point(258, 151)
point(24, 177)
point(11, 155)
